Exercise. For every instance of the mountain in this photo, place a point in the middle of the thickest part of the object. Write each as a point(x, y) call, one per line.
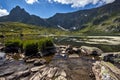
point(18, 14)
point(97, 18)
point(79, 19)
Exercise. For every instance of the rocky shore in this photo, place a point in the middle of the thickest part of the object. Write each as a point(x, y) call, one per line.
point(68, 63)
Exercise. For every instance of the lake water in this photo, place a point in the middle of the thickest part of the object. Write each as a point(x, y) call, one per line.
point(106, 43)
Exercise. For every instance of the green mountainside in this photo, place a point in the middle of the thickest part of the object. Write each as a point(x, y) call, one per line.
point(16, 28)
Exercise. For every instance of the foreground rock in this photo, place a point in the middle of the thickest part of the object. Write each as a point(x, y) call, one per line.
point(91, 50)
point(35, 69)
point(105, 71)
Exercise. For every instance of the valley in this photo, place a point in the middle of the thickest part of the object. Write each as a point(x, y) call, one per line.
point(80, 45)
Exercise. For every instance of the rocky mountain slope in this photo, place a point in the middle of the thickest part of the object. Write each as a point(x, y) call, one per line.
point(98, 17)
point(80, 18)
point(18, 14)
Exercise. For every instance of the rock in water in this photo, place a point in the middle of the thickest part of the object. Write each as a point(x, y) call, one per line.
point(91, 50)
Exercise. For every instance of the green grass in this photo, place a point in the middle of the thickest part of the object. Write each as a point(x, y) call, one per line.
point(15, 28)
point(105, 27)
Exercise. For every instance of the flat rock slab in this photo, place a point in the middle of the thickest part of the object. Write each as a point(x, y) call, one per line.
point(12, 66)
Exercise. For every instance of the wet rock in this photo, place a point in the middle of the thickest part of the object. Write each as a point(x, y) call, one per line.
point(36, 76)
point(58, 72)
point(45, 71)
point(22, 73)
point(63, 52)
point(6, 72)
point(34, 69)
point(91, 50)
point(52, 72)
point(63, 73)
point(39, 62)
point(19, 74)
point(69, 49)
point(105, 71)
point(76, 50)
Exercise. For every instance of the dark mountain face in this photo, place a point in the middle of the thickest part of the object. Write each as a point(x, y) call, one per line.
point(20, 15)
point(80, 18)
point(74, 20)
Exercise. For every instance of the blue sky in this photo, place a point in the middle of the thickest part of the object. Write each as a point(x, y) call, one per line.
point(47, 8)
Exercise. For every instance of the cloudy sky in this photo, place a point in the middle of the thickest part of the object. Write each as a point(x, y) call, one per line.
point(47, 8)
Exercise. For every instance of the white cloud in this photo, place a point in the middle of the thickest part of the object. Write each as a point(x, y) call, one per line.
point(31, 1)
point(3, 12)
point(81, 3)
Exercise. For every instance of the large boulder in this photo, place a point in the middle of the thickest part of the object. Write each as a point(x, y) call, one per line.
point(105, 71)
point(90, 50)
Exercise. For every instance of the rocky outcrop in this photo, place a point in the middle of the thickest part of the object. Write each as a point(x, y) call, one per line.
point(105, 71)
point(86, 50)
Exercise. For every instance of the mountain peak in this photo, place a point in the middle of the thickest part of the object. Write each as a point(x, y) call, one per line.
point(18, 14)
point(17, 7)
point(17, 10)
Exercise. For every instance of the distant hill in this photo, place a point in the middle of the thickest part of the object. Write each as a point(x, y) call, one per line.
point(105, 18)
